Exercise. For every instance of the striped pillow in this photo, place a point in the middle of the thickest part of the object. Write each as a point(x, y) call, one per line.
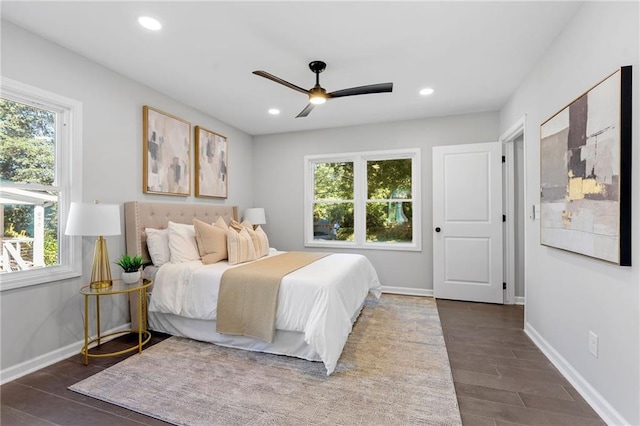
point(240, 246)
point(259, 238)
point(263, 242)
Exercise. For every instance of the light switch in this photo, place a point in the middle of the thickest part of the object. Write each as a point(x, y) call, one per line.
point(536, 212)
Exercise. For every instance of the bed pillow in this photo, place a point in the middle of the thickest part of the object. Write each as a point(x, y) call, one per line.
point(235, 225)
point(263, 241)
point(182, 243)
point(221, 223)
point(240, 246)
point(259, 238)
point(158, 245)
point(211, 241)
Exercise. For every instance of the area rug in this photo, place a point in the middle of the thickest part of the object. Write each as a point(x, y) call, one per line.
point(394, 370)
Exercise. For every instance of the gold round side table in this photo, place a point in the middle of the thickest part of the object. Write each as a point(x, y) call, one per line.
point(118, 287)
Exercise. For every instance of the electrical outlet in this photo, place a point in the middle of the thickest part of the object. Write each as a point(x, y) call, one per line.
point(593, 343)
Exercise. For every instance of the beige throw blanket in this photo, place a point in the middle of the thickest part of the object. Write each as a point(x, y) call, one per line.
point(248, 296)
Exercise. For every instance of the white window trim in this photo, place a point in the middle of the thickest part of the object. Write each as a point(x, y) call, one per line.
point(69, 158)
point(359, 160)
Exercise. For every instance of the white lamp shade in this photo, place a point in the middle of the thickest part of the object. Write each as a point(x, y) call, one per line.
point(255, 216)
point(93, 219)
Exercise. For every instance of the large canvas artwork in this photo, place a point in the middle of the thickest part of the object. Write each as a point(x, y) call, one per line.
point(585, 164)
point(167, 153)
point(211, 164)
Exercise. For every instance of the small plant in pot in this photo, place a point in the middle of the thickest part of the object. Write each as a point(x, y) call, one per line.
point(131, 266)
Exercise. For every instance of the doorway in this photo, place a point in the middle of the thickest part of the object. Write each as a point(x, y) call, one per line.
point(466, 252)
point(516, 212)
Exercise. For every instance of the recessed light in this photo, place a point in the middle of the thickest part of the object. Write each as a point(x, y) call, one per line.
point(149, 23)
point(426, 91)
point(274, 111)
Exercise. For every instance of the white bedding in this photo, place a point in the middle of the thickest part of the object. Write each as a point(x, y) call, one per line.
point(318, 300)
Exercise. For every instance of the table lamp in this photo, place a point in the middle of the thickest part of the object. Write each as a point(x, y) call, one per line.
point(96, 220)
point(255, 216)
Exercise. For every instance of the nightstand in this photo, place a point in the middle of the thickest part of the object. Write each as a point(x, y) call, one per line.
point(118, 287)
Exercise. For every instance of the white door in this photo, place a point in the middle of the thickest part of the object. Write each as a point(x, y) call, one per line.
point(467, 222)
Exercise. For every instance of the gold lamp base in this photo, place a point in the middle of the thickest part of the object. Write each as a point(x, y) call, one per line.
point(101, 270)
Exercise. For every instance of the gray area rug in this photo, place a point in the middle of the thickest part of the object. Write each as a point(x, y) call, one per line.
point(394, 370)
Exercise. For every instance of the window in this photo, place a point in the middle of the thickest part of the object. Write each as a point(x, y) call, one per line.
point(363, 200)
point(40, 174)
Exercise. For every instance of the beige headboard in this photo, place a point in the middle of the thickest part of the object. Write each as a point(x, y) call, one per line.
point(141, 215)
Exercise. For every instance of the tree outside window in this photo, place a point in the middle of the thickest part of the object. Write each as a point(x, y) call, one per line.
point(29, 197)
point(389, 201)
point(40, 175)
point(363, 200)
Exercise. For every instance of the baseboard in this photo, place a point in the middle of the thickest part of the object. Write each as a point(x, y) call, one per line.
point(408, 291)
point(15, 372)
point(518, 300)
point(593, 398)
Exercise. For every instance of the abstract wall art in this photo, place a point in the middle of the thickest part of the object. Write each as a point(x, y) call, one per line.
point(166, 154)
point(211, 164)
point(585, 173)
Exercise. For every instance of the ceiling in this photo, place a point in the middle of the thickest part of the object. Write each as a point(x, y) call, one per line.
point(474, 54)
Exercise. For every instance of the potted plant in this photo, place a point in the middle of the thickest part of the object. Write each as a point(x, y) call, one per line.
point(131, 266)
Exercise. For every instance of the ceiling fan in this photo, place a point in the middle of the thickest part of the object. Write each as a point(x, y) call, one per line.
point(318, 95)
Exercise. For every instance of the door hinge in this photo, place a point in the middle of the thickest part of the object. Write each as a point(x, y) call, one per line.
point(504, 286)
point(504, 159)
point(504, 217)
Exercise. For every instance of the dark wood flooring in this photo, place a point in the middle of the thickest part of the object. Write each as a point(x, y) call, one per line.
point(501, 379)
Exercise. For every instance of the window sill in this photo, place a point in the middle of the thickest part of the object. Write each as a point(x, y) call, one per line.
point(15, 280)
point(368, 246)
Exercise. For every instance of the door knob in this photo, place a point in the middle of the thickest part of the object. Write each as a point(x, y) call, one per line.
point(438, 229)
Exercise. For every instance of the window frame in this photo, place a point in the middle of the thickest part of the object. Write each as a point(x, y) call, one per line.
point(68, 181)
point(360, 160)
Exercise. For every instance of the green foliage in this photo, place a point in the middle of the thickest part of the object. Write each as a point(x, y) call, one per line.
point(26, 160)
point(11, 232)
point(50, 247)
point(130, 263)
point(389, 179)
point(23, 121)
point(27, 144)
point(388, 218)
point(334, 181)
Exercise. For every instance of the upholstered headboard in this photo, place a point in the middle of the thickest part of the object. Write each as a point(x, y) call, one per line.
point(141, 215)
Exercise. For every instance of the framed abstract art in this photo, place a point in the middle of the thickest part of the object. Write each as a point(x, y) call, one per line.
point(211, 164)
point(166, 154)
point(585, 173)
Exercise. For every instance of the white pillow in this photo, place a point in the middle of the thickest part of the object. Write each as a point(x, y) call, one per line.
point(158, 245)
point(182, 243)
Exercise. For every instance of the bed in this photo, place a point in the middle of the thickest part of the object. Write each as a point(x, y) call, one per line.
point(317, 304)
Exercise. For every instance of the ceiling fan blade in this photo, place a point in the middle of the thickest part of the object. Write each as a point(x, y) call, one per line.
point(306, 110)
point(362, 90)
point(281, 81)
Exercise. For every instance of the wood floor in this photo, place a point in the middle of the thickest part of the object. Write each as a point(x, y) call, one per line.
point(501, 379)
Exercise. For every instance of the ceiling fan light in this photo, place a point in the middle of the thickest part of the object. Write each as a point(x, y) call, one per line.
point(317, 100)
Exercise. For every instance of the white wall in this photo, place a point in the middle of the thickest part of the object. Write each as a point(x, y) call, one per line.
point(40, 319)
point(567, 294)
point(279, 187)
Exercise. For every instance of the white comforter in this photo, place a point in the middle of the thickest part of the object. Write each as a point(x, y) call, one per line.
point(318, 300)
